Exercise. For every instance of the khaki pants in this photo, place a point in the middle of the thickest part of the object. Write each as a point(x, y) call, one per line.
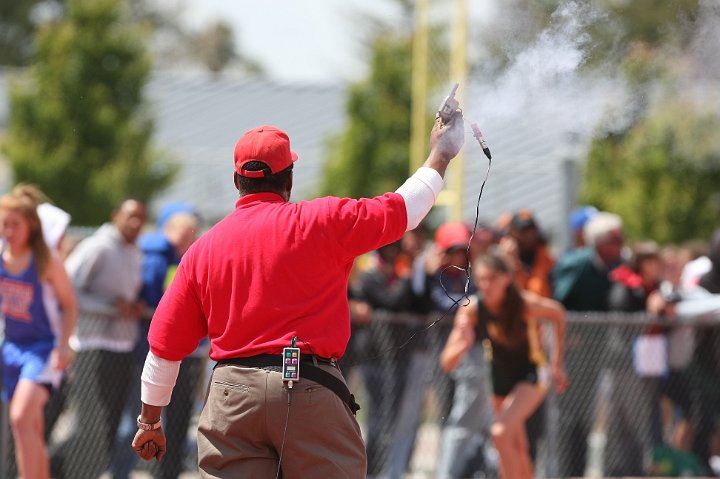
point(243, 425)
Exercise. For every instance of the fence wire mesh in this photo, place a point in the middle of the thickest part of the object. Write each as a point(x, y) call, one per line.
point(644, 399)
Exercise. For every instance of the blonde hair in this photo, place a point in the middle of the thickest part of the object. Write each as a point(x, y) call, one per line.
point(180, 221)
point(32, 192)
point(25, 202)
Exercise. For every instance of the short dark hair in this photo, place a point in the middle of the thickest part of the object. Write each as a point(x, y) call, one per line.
point(276, 183)
point(119, 205)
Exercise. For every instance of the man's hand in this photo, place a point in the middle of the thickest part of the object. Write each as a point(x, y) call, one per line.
point(445, 142)
point(447, 139)
point(149, 444)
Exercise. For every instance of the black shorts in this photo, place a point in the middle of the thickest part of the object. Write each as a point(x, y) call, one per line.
point(504, 380)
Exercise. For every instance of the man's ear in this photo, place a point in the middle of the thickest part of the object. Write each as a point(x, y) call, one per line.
point(235, 180)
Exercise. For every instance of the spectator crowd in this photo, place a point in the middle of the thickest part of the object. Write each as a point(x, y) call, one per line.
point(440, 319)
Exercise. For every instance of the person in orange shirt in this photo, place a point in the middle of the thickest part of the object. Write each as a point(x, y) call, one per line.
point(525, 245)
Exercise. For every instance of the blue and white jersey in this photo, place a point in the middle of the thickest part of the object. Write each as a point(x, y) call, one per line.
point(29, 306)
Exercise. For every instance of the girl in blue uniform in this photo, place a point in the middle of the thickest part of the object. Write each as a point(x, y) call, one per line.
point(505, 319)
point(38, 305)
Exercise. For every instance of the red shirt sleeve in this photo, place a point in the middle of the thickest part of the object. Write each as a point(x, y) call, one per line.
point(368, 223)
point(178, 324)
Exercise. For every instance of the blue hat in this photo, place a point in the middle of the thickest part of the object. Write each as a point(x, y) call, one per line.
point(171, 209)
point(580, 215)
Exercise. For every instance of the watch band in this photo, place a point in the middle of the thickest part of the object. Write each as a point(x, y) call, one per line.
point(148, 427)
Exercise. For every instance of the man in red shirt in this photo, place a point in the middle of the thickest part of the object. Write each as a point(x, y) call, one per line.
point(271, 274)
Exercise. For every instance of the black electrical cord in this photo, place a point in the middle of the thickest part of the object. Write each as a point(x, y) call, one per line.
point(285, 430)
point(468, 266)
point(293, 344)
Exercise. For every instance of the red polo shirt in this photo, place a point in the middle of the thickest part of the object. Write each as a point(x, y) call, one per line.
point(271, 270)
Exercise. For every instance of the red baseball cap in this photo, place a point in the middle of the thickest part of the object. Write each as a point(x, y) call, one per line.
point(452, 236)
point(266, 144)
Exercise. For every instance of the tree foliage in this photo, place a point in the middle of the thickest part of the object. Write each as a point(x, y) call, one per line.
point(372, 155)
point(18, 22)
point(214, 46)
point(612, 27)
point(78, 126)
point(662, 175)
point(171, 42)
point(661, 171)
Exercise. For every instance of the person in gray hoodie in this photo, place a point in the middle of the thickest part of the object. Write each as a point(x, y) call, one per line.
point(105, 270)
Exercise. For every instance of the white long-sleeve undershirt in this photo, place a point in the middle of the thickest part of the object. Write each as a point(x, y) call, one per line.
point(420, 192)
point(158, 380)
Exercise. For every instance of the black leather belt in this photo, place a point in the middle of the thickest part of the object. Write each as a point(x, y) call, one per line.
point(308, 371)
point(269, 360)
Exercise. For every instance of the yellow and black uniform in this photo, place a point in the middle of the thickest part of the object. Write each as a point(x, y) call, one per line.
point(514, 359)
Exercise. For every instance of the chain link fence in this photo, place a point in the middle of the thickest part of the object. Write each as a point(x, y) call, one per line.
point(644, 399)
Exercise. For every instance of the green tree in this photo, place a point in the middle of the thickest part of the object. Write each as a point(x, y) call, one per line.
point(79, 127)
point(652, 22)
point(372, 155)
point(18, 22)
point(612, 27)
point(214, 46)
point(660, 172)
point(662, 175)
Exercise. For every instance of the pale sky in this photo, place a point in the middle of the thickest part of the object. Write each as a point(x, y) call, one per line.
point(305, 40)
